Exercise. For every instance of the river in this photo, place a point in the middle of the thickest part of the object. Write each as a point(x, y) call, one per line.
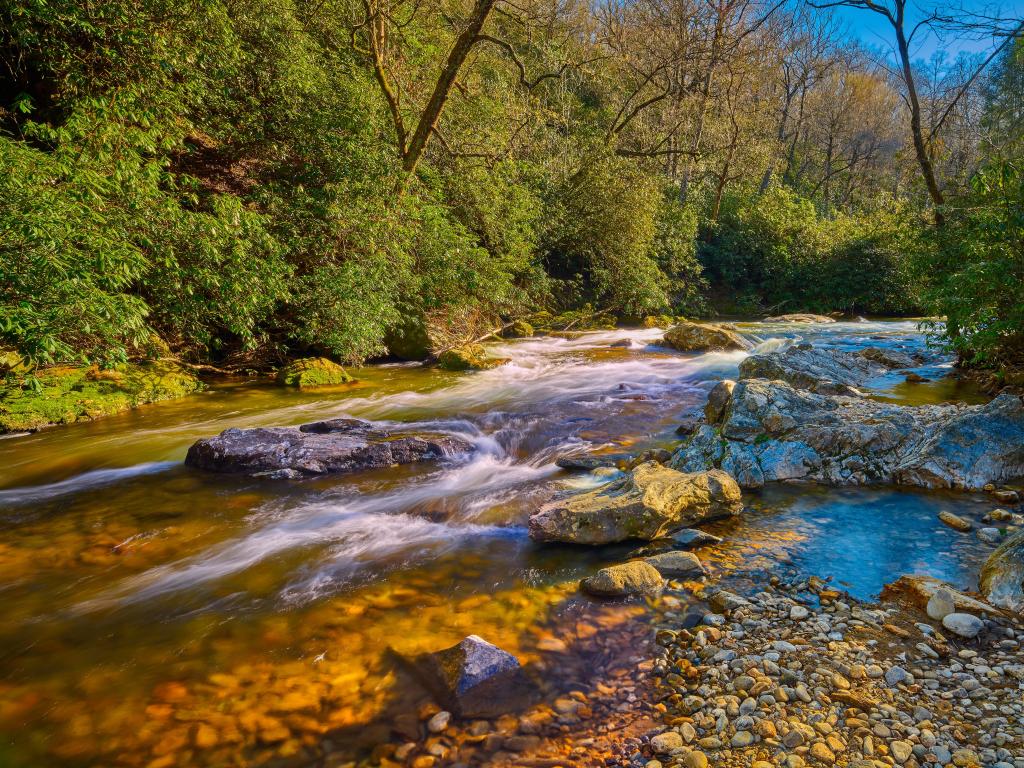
point(141, 600)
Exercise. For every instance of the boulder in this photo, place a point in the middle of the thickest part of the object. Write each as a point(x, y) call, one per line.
point(410, 340)
point(520, 329)
point(1002, 576)
point(319, 448)
point(799, 317)
point(584, 463)
point(703, 337)
point(647, 503)
point(890, 358)
point(312, 372)
point(677, 564)
point(474, 679)
point(963, 624)
point(469, 357)
point(773, 430)
point(825, 371)
point(718, 399)
point(626, 580)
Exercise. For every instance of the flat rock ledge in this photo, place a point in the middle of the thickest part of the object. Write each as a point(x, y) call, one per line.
point(764, 430)
point(649, 502)
point(320, 448)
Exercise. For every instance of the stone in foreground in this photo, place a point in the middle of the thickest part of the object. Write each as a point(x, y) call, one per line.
point(321, 448)
point(919, 591)
point(1002, 576)
point(649, 502)
point(636, 578)
point(312, 372)
point(474, 679)
point(703, 337)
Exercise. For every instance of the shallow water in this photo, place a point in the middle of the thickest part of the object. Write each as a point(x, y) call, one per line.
point(155, 615)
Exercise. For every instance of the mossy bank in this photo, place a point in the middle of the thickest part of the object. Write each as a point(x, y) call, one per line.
point(65, 395)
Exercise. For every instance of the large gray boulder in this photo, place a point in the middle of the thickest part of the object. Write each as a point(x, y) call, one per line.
point(703, 337)
point(319, 448)
point(649, 502)
point(773, 431)
point(1002, 576)
point(826, 371)
point(474, 678)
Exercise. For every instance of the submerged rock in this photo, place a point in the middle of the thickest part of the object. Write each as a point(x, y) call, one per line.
point(773, 431)
point(955, 522)
point(649, 502)
point(636, 578)
point(312, 372)
point(320, 448)
point(474, 679)
point(470, 357)
point(703, 337)
point(584, 463)
point(1002, 576)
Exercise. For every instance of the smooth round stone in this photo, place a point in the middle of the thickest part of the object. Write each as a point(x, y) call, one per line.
point(963, 624)
point(667, 742)
point(941, 604)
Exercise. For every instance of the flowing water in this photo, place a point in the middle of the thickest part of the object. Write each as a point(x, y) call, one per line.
point(156, 616)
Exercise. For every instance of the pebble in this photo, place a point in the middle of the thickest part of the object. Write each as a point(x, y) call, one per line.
point(439, 722)
point(666, 743)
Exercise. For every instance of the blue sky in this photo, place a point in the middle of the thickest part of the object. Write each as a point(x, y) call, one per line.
point(875, 31)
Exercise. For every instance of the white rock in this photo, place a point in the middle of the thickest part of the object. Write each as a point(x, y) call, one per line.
point(963, 624)
point(941, 604)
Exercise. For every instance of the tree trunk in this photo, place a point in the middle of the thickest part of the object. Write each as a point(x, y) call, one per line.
point(920, 144)
point(431, 114)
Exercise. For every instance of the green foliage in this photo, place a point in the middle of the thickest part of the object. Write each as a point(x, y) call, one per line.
point(674, 250)
point(977, 266)
point(776, 246)
point(599, 239)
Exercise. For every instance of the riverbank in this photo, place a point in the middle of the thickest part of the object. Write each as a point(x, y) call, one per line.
point(66, 395)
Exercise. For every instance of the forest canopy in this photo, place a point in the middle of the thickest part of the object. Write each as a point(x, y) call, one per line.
point(240, 181)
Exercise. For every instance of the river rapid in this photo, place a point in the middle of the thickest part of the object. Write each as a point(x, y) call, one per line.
point(157, 616)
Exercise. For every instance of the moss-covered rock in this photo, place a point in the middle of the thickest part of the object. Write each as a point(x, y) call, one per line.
point(658, 321)
point(703, 337)
point(410, 340)
point(470, 357)
point(65, 395)
point(312, 372)
point(520, 329)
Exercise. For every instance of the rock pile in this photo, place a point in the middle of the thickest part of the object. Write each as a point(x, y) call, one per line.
point(776, 681)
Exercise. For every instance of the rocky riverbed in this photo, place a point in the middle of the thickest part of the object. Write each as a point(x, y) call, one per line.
point(272, 611)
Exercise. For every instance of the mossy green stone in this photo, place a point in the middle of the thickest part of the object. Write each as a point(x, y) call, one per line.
point(471, 357)
point(67, 395)
point(312, 372)
point(520, 329)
